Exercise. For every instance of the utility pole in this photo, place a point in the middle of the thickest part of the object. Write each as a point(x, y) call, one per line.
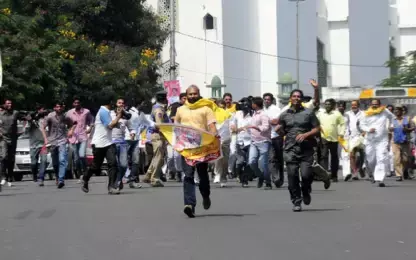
point(297, 43)
point(172, 60)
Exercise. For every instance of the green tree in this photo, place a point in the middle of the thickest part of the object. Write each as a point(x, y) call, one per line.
point(406, 70)
point(55, 49)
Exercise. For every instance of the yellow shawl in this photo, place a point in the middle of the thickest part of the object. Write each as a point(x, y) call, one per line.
point(232, 109)
point(220, 114)
point(371, 112)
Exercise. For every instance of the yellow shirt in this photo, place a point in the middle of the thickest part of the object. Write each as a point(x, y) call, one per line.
point(199, 118)
point(332, 125)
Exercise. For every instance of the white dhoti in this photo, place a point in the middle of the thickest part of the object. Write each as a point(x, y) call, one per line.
point(391, 159)
point(345, 163)
point(377, 158)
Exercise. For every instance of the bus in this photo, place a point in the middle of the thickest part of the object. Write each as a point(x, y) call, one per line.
point(405, 96)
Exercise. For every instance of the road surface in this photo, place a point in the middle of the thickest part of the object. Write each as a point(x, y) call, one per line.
point(348, 221)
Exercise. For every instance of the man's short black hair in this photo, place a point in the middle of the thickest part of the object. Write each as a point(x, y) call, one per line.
point(76, 98)
point(297, 90)
point(331, 101)
point(378, 100)
point(227, 95)
point(39, 106)
point(258, 101)
point(342, 103)
point(182, 95)
point(268, 95)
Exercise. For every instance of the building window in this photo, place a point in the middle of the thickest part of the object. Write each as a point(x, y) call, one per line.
point(322, 64)
point(208, 22)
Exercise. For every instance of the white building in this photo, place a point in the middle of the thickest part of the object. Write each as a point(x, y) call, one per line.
point(251, 44)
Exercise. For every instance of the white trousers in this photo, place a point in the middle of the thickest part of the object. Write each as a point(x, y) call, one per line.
point(345, 163)
point(233, 151)
point(377, 158)
point(391, 159)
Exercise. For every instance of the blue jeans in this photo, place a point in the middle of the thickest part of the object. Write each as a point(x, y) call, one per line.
point(258, 160)
point(133, 154)
point(35, 154)
point(59, 156)
point(79, 150)
point(189, 195)
point(122, 162)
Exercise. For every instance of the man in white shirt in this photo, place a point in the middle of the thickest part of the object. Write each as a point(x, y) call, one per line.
point(273, 112)
point(103, 146)
point(238, 125)
point(354, 136)
point(376, 140)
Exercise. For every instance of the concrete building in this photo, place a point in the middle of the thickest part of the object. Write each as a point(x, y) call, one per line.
point(250, 45)
point(405, 37)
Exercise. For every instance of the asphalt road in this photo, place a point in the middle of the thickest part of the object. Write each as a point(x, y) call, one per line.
point(349, 221)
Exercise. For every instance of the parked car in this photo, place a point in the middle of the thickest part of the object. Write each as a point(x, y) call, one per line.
point(22, 159)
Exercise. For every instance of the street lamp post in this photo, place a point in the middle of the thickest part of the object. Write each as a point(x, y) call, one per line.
point(297, 42)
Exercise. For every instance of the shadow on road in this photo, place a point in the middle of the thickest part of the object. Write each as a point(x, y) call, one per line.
point(224, 215)
point(321, 210)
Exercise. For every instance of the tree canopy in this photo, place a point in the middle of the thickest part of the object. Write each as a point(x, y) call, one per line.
point(405, 68)
point(57, 49)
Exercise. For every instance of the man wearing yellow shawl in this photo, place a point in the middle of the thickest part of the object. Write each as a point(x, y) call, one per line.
point(376, 141)
point(199, 113)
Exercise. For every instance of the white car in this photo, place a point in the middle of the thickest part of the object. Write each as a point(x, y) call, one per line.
point(22, 160)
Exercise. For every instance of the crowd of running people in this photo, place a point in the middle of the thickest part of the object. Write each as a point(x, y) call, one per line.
point(267, 142)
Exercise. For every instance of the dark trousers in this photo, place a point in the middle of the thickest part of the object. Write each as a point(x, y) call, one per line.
point(303, 163)
point(326, 149)
point(7, 159)
point(241, 159)
point(277, 146)
point(189, 183)
point(109, 153)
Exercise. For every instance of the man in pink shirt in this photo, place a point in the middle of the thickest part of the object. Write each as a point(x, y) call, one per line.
point(82, 119)
point(260, 132)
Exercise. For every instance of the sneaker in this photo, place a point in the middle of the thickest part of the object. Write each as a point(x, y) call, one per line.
point(206, 202)
point(10, 184)
point(61, 185)
point(133, 185)
point(245, 185)
point(307, 199)
point(268, 187)
point(157, 184)
point(41, 184)
point(348, 177)
point(297, 208)
point(163, 178)
point(361, 172)
point(223, 185)
point(327, 184)
point(80, 180)
point(189, 211)
point(381, 184)
point(217, 179)
point(84, 187)
point(260, 183)
point(399, 179)
point(279, 183)
point(113, 191)
point(3, 182)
